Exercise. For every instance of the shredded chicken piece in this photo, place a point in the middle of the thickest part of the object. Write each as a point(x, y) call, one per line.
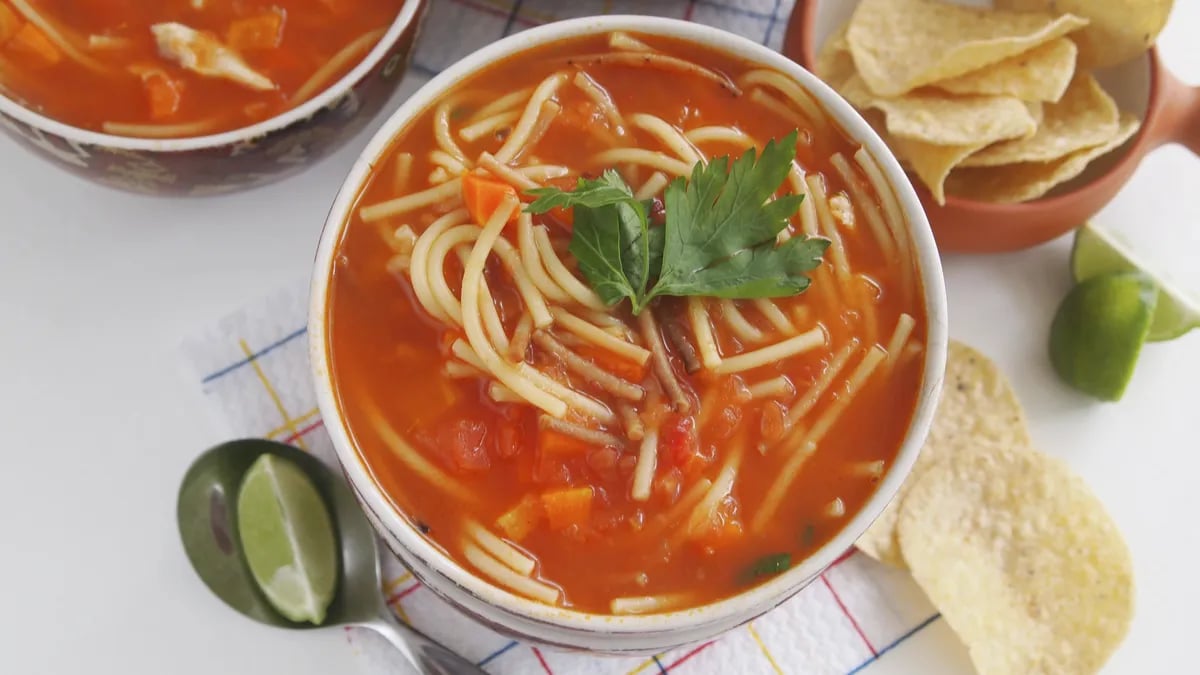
point(204, 54)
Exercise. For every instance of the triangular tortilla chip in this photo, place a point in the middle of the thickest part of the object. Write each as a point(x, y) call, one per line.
point(899, 45)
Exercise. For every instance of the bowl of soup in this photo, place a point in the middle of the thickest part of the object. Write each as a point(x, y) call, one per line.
point(587, 456)
point(195, 97)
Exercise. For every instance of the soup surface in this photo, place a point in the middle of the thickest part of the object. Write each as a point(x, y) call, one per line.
point(570, 451)
point(177, 68)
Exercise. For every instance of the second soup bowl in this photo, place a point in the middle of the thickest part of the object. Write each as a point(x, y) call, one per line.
point(475, 580)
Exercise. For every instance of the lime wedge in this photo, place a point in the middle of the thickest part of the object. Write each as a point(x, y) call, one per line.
point(1098, 252)
point(288, 539)
point(1098, 332)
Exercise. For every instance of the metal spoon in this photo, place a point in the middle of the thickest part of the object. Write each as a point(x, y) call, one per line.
point(208, 527)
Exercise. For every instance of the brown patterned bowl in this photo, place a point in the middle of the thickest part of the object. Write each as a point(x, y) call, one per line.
point(233, 160)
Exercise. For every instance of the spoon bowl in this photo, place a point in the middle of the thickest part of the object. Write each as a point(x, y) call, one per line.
point(207, 517)
point(1170, 112)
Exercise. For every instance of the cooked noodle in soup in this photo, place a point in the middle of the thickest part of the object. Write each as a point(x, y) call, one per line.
point(556, 443)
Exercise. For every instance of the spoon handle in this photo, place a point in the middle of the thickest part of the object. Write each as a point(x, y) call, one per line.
point(429, 657)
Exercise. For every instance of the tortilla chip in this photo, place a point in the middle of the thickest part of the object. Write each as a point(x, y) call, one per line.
point(1119, 30)
point(1041, 74)
point(1084, 118)
point(1022, 182)
point(899, 45)
point(942, 119)
point(978, 408)
point(834, 64)
point(1021, 559)
point(1037, 111)
point(932, 163)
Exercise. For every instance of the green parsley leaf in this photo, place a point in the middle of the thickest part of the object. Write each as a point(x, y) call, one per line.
point(718, 240)
point(767, 566)
point(720, 230)
point(609, 238)
point(610, 188)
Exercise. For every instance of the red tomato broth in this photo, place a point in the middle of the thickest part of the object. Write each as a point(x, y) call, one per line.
point(386, 350)
point(310, 33)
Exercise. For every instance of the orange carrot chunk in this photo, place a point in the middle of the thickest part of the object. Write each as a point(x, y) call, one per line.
point(520, 520)
point(483, 196)
point(264, 31)
point(568, 506)
point(164, 94)
point(34, 45)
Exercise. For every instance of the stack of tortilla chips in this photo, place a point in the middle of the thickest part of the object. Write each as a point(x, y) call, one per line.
point(990, 105)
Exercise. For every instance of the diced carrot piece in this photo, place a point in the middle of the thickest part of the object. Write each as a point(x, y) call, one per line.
point(33, 43)
point(617, 365)
point(10, 23)
point(264, 31)
point(484, 195)
point(520, 520)
point(567, 507)
point(164, 94)
point(555, 443)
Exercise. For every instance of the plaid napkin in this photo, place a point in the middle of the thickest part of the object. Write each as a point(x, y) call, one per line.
point(253, 368)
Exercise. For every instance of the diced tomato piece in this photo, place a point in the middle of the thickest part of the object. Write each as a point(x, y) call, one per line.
point(32, 43)
point(679, 441)
point(581, 115)
point(484, 195)
point(264, 31)
point(626, 464)
point(567, 507)
point(520, 520)
point(509, 439)
point(668, 485)
point(514, 432)
point(773, 422)
point(463, 441)
point(617, 365)
point(725, 423)
point(604, 461)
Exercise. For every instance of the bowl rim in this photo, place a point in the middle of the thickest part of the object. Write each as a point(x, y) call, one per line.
point(78, 135)
point(727, 612)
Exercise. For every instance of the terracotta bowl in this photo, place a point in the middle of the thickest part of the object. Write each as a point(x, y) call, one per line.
point(1170, 111)
point(233, 160)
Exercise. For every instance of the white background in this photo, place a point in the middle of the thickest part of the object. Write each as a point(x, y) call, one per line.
point(97, 288)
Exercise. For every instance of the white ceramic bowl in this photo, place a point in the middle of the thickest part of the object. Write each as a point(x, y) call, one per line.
point(529, 620)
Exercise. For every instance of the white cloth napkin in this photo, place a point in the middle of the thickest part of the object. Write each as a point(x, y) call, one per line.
point(253, 368)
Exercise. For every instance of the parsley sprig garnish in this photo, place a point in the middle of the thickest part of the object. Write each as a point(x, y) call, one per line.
point(718, 239)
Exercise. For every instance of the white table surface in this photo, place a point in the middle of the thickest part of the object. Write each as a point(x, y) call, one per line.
point(97, 288)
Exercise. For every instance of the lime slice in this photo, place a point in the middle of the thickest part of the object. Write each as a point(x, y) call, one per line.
point(1098, 332)
point(288, 539)
point(1098, 252)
